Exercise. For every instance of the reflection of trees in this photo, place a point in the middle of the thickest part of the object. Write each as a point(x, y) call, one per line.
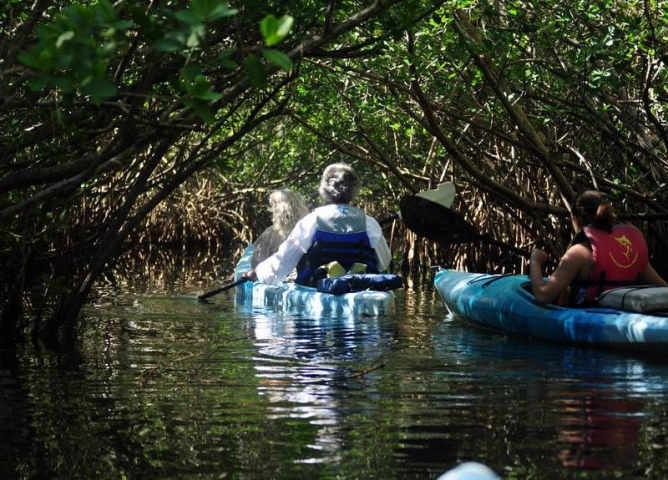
point(150, 394)
point(168, 387)
point(169, 271)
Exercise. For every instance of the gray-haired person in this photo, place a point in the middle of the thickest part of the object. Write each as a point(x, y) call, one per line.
point(335, 232)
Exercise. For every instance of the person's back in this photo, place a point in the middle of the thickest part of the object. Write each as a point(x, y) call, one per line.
point(620, 256)
point(340, 235)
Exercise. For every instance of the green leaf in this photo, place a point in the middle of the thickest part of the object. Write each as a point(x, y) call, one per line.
point(197, 33)
point(201, 90)
point(168, 45)
point(191, 71)
point(202, 109)
point(222, 10)
point(188, 17)
point(284, 26)
point(63, 83)
point(274, 29)
point(37, 84)
point(212, 10)
point(32, 60)
point(225, 60)
point(64, 37)
point(106, 10)
point(268, 26)
point(257, 74)
point(280, 59)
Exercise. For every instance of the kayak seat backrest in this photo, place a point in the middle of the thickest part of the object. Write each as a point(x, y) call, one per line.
point(640, 298)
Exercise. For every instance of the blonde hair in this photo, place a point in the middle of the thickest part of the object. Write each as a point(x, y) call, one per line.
point(287, 208)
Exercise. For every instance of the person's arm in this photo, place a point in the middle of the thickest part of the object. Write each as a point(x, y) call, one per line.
point(546, 290)
point(378, 243)
point(276, 268)
point(652, 277)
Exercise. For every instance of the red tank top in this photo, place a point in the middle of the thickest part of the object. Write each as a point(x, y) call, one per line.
point(619, 256)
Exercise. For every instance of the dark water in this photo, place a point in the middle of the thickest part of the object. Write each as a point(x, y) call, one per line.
point(164, 386)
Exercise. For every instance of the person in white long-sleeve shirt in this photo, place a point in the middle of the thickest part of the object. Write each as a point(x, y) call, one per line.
point(336, 231)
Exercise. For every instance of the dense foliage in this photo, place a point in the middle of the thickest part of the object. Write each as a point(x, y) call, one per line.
point(167, 122)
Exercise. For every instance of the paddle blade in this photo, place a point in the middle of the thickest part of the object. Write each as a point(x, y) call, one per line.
point(444, 194)
point(434, 221)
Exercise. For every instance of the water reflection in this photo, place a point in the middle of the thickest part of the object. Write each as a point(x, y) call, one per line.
point(586, 408)
point(164, 386)
point(304, 366)
point(600, 433)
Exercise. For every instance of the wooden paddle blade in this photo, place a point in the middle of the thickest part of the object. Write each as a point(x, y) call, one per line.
point(434, 221)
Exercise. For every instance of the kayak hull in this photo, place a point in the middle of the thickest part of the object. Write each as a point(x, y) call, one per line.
point(293, 299)
point(505, 302)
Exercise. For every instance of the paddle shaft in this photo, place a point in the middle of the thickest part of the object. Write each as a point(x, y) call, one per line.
point(390, 219)
point(512, 248)
point(206, 295)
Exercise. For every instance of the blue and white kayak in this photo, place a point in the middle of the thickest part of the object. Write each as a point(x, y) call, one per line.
point(293, 299)
point(505, 302)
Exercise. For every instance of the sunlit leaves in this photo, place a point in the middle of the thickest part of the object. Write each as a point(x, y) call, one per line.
point(274, 30)
point(75, 50)
point(190, 29)
point(198, 92)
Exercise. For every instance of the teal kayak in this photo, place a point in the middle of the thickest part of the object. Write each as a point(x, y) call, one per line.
point(293, 299)
point(505, 302)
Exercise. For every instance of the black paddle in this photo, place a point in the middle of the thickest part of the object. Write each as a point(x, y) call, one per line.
point(218, 290)
point(442, 197)
point(436, 222)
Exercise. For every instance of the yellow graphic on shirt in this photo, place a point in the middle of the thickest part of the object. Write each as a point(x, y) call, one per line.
point(625, 257)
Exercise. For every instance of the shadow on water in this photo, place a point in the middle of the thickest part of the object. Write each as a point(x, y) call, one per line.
point(164, 386)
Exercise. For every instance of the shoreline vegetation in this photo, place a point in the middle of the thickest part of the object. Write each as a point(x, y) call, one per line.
point(127, 125)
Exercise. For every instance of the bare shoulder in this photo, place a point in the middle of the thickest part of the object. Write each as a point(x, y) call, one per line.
point(578, 258)
point(579, 250)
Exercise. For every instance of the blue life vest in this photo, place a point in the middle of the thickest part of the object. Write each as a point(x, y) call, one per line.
point(340, 237)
